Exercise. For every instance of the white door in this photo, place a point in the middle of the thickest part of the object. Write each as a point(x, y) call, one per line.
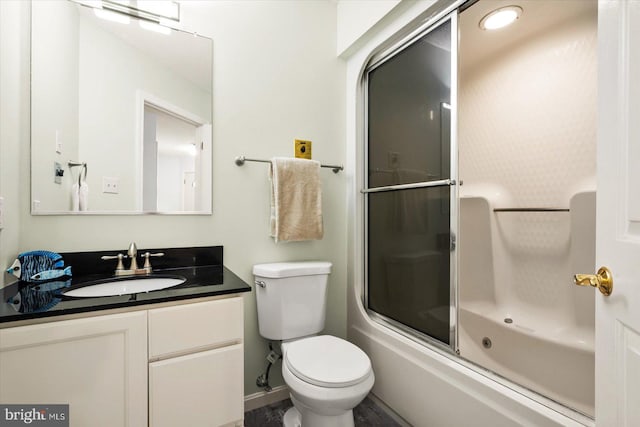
point(618, 214)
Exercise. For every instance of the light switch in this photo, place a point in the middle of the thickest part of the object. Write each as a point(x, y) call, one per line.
point(58, 143)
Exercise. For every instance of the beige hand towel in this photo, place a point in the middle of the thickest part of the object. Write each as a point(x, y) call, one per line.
point(296, 199)
point(411, 207)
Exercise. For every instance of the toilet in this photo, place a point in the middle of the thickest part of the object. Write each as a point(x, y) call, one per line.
point(327, 376)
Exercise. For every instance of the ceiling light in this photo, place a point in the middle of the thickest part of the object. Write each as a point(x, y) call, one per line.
point(500, 18)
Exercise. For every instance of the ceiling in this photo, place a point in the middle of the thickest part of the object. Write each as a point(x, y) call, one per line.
point(477, 45)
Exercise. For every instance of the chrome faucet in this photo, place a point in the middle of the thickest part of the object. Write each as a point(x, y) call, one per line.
point(132, 253)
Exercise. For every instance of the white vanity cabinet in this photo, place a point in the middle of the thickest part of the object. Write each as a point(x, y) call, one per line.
point(97, 365)
point(196, 367)
point(170, 366)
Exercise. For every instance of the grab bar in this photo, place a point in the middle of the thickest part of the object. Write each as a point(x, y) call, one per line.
point(531, 210)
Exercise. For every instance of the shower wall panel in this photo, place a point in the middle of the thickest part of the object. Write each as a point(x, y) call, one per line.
point(527, 139)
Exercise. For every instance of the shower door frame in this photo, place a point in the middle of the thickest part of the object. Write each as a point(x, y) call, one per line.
point(377, 60)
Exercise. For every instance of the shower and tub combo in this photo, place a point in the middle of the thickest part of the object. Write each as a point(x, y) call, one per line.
point(478, 206)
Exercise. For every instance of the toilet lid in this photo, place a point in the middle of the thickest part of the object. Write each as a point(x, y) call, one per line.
point(327, 361)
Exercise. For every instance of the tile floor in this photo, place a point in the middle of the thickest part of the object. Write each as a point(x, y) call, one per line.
point(366, 414)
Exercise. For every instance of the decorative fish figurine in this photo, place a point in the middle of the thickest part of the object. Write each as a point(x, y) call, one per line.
point(38, 298)
point(30, 263)
point(51, 274)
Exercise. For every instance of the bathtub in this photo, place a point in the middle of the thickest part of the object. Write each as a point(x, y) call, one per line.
point(556, 362)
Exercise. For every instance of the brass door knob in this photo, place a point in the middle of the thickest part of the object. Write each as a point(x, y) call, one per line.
point(603, 280)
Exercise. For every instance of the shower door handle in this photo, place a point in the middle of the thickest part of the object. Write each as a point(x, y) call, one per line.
point(603, 280)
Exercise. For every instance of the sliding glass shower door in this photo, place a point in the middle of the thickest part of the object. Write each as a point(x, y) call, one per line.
point(410, 194)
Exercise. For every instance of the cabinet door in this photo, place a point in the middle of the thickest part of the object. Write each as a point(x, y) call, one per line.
point(200, 389)
point(96, 365)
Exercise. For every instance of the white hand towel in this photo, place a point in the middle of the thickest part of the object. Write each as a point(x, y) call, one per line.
point(296, 199)
point(83, 196)
point(75, 198)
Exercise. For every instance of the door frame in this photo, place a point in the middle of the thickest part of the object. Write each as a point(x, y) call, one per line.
point(144, 98)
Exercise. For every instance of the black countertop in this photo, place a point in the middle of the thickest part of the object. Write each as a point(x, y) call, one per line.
point(205, 276)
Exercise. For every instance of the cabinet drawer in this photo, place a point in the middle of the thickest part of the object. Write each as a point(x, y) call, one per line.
point(191, 327)
point(200, 389)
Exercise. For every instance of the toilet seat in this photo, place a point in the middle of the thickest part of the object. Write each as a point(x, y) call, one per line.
point(327, 361)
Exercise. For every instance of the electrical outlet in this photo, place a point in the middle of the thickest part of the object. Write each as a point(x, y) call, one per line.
point(110, 185)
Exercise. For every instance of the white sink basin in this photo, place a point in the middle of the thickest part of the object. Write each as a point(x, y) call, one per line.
point(125, 286)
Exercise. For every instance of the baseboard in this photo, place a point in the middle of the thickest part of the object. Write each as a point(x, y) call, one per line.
point(264, 398)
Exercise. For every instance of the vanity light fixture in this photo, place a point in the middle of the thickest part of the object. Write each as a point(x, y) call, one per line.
point(166, 12)
point(500, 18)
point(161, 8)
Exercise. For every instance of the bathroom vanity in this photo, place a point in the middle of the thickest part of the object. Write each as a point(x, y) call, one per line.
point(163, 358)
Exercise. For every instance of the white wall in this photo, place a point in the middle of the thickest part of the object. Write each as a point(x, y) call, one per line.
point(55, 106)
point(268, 57)
point(14, 127)
point(356, 17)
point(424, 386)
point(536, 138)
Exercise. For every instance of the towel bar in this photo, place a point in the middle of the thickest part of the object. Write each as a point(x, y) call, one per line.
point(83, 165)
point(241, 159)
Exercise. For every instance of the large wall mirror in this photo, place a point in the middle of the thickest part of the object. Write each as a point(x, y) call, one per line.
point(121, 112)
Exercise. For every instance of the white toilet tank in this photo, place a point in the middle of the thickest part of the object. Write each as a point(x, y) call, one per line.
point(291, 298)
